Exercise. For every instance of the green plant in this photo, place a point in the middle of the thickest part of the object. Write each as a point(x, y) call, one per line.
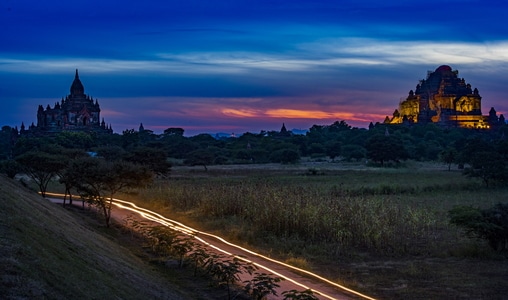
point(97, 181)
point(10, 167)
point(227, 271)
point(41, 167)
point(299, 295)
point(161, 239)
point(448, 156)
point(490, 224)
point(199, 257)
point(262, 285)
point(181, 246)
point(488, 166)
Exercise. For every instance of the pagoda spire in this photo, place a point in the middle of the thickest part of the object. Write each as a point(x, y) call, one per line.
point(283, 129)
point(77, 87)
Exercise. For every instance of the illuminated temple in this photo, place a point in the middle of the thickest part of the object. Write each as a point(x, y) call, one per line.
point(445, 99)
point(76, 112)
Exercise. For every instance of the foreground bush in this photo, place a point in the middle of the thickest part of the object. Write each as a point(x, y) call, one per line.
point(490, 224)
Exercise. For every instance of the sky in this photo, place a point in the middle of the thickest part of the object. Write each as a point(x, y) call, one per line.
point(237, 66)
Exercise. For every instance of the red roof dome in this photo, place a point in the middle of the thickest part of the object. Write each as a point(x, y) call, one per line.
point(444, 68)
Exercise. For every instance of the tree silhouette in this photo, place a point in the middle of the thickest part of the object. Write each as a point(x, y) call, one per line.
point(448, 156)
point(381, 148)
point(200, 157)
point(98, 180)
point(41, 167)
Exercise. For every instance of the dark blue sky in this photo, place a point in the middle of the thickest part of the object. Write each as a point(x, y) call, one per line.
point(238, 66)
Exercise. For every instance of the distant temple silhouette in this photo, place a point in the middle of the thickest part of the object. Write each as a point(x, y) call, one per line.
point(77, 112)
point(445, 99)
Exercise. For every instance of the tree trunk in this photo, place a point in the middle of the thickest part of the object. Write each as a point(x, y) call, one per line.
point(42, 188)
point(108, 216)
point(70, 196)
point(105, 211)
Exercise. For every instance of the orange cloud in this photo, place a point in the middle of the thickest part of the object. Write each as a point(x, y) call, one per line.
point(307, 114)
point(242, 113)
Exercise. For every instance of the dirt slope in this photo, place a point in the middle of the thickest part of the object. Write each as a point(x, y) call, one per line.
point(45, 252)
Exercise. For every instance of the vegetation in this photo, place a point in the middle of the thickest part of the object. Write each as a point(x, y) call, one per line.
point(483, 153)
point(41, 167)
point(225, 270)
point(356, 219)
point(385, 148)
point(98, 181)
point(490, 224)
point(338, 209)
point(336, 195)
point(10, 168)
point(297, 295)
point(262, 285)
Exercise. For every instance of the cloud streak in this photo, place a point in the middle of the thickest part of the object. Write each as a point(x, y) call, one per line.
point(313, 56)
point(245, 64)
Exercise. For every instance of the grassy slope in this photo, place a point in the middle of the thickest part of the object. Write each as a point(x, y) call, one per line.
point(45, 252)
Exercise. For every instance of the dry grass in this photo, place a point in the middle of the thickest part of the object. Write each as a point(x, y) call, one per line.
point(383, 231)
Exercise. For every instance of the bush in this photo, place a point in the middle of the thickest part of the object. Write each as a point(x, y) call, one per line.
point(490, 224)
point(285, 156)
point(10, 168)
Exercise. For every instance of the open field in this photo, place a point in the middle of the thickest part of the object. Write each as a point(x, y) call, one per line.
point(382, 231)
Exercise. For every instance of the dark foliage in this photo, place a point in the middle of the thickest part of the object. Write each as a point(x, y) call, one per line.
point(10, 168)
point(382, 148)
point(482, 154)
point(490, 224)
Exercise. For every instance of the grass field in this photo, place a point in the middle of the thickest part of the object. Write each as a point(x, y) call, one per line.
point(383, 231)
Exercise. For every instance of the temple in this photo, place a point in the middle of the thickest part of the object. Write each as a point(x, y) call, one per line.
point(445, 99)
point(76, 112)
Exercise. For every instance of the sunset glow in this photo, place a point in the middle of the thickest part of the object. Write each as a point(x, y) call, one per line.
point(240, 113)
point(243, 66)
point(306, 114)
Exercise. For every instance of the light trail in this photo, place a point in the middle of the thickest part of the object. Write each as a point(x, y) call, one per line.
point(175, 225)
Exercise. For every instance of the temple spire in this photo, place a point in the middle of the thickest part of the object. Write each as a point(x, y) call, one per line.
point(77, 87)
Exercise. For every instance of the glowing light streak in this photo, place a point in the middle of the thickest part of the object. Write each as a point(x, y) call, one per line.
point(175, 225)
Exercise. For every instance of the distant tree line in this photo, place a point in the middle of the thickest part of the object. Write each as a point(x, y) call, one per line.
point(480, 153)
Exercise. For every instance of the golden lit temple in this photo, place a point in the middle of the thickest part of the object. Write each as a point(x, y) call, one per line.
point(446, 99)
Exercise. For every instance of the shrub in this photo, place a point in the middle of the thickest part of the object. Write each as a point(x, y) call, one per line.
point(490, 224)
point(285, 156)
